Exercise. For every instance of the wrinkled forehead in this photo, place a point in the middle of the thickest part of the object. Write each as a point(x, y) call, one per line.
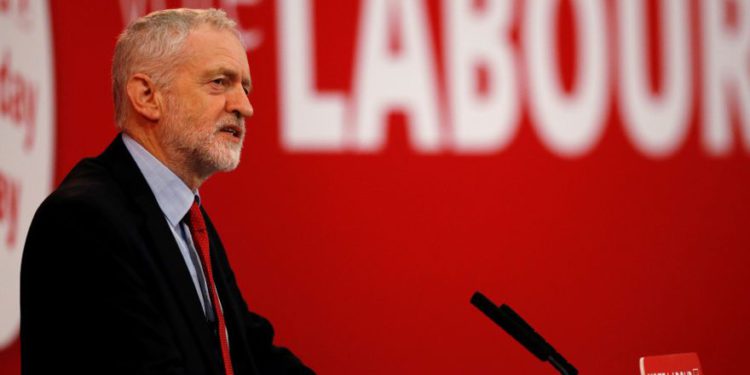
point(209, 48)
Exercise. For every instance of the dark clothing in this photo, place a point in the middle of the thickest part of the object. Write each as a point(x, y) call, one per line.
point(105, 290)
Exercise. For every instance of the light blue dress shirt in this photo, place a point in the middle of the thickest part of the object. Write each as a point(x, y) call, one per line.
point(175, 199)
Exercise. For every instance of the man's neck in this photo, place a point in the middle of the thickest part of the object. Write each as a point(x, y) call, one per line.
point(171, 160)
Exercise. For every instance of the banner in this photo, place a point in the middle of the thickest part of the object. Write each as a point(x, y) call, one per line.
point(27, 133)
point(584, 161)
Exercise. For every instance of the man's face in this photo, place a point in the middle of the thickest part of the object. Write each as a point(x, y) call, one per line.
point(206, 103)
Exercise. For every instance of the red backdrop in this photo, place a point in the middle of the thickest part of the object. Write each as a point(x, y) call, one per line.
point(365, 260)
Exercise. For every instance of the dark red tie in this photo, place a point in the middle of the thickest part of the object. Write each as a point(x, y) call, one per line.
point(200, 239)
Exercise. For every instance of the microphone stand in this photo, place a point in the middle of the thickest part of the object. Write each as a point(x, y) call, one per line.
point(515, 326)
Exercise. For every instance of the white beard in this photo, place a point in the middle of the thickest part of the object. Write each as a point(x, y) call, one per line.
point(200, 148)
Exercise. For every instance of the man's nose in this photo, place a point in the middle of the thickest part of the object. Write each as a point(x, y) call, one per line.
point(238, 102)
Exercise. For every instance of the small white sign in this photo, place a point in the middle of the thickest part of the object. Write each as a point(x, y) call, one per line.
point(26, 140)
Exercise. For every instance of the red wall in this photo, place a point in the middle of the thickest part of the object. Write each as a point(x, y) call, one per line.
point(365, 261)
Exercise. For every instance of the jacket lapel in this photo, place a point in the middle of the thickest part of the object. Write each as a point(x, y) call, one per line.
point(231, 300)
point(162, 243)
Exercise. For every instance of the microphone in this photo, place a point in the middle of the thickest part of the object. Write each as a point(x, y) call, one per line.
point(515, 326)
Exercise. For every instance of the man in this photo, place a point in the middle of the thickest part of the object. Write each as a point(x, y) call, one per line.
point(123, 272)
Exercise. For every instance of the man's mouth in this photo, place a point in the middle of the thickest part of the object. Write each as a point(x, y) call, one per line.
point(234, 130)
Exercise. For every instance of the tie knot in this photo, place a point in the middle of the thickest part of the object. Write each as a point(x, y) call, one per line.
point(195, 218)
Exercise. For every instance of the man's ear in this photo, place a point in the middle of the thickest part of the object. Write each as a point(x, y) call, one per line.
point(143, 96)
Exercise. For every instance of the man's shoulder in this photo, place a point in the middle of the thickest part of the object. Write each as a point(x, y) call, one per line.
point(94, 185)
point(88, 177)
point(90, 181)
point(89, 203)
point(87, 194)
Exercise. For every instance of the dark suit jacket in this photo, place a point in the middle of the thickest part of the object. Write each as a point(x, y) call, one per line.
point(105, 290)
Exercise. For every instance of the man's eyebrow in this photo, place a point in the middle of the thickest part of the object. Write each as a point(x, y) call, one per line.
point(231, 74)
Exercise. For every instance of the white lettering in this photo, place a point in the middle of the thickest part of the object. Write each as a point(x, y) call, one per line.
point(569, 124)
point(725, 73)
point(132, 9)
point(251, 38)
point(309, 120)
point(474, 43)
point(656, 124)
point(399, 77)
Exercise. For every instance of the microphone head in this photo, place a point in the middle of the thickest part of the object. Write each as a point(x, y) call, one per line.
point(514, 325)
point(511, 323)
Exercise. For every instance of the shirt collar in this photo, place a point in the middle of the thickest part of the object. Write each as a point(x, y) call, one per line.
point(173, 196)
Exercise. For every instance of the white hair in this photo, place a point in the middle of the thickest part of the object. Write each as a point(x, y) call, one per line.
point(153, 45)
